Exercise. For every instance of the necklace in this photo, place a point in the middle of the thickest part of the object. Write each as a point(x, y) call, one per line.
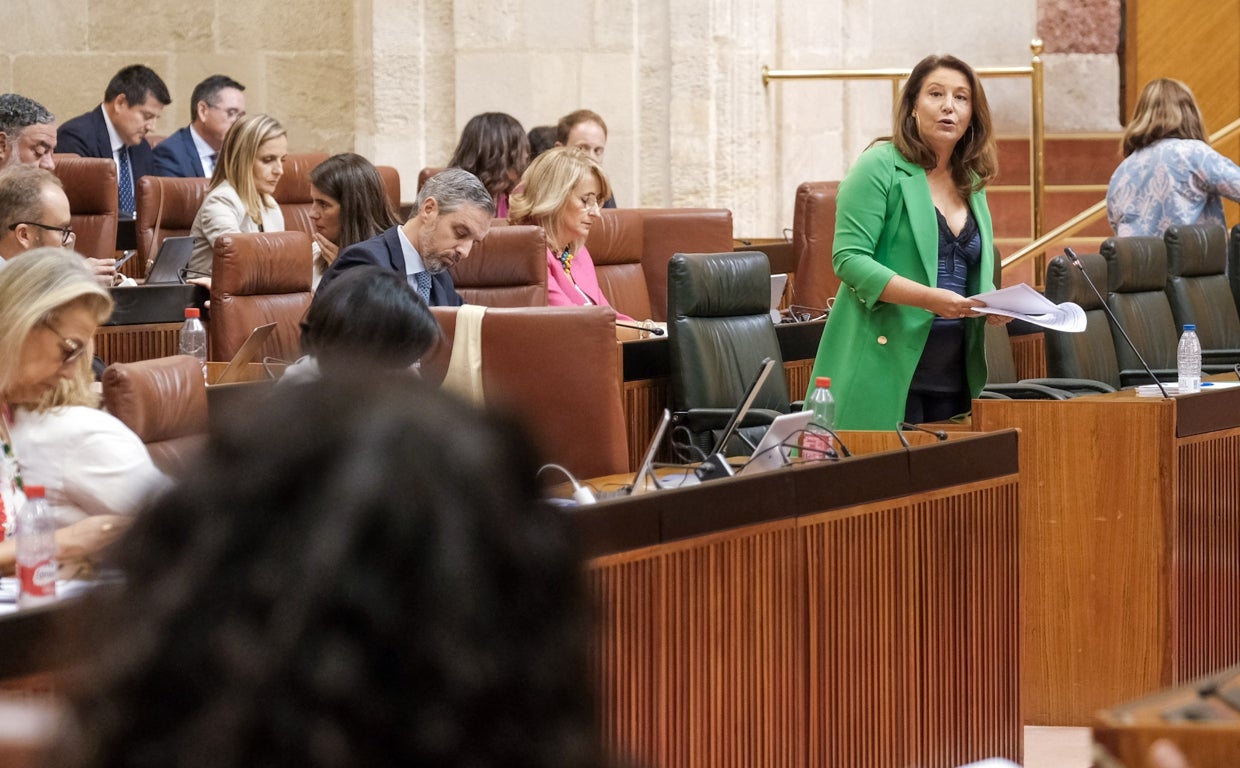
point(566, 261)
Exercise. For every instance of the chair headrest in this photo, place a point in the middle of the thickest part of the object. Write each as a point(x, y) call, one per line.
point(1064, 282)
point(294, 185)
point(719, 284)
point(1196, 249)
point(1135, 263)
point(259, 263)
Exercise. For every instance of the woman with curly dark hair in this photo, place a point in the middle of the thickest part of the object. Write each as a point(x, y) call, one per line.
point(362, 575)
point(495, 148)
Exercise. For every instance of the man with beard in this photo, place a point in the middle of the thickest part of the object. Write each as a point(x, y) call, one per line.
point(454, 212)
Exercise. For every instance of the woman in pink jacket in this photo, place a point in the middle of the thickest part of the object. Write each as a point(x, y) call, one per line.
point(562, 192)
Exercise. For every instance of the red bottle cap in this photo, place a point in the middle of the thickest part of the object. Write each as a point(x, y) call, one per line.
point(35, 492)
point(191, 312)
point(823, 382)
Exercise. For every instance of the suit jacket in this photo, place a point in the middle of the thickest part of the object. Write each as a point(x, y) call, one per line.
point(886, 226)
point(384, 250)
point(177, 155)
point(562, 289)
point(87, 135)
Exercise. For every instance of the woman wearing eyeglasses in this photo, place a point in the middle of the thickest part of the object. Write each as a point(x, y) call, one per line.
point(562, 191)
point(50, 307)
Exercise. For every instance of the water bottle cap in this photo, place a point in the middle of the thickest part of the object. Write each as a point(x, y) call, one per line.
point(1190, 326)
point(191, 312)
point(823, 382)
point(35, 492)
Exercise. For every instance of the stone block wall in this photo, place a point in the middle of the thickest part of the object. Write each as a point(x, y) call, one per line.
point(678, 82)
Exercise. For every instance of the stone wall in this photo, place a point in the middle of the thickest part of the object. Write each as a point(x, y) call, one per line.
point(678, 82)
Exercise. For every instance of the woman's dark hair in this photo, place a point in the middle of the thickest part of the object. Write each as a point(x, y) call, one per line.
point(494, 148)
point(359, 574)
point(974, 160)
point(354, 182)
point(368, 316)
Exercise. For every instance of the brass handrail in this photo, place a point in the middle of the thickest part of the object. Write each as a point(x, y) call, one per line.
point(1033, 72)
point(1095, 211)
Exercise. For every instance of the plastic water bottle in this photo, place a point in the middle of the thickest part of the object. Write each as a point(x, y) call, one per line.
point(36, 550)
point(193, 339)
point(1188, 360)
point(817, 443)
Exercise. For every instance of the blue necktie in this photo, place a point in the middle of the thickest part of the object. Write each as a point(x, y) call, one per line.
point(424, 286)
point(125, 185)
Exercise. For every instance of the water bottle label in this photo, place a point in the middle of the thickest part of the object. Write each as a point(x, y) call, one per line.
point(816, 446)
point(38, 579)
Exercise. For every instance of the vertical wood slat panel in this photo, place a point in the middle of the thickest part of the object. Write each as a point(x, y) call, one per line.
point(1205, 575)
point(884, 635)
point(131, 343)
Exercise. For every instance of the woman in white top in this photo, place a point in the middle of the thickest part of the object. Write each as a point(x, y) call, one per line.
point(50, 307)
point(241, 195)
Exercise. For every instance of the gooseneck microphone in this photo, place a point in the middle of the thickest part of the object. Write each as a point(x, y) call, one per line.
point(654, 329)
point(905, 426)
point(1076, 262)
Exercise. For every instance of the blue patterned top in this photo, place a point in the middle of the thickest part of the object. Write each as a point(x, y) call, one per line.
point(1173, 181)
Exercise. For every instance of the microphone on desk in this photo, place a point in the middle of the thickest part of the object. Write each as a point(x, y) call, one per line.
point(905, 426)
point(654, 329)
point(1076, 262)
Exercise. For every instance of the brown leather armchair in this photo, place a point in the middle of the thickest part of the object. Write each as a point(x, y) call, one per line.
point(631, 247)
point(164, 401)
point(90, 185)
point(166, 208)
point(293, 190)
point(259, 278)
point(557, 370)
point(506, 269)
point(813, 233)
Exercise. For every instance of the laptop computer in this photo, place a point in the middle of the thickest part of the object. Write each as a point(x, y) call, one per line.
point(171, 261)
point(764, 370)
point(776, 446)
point(647, 465)
point(778, 282)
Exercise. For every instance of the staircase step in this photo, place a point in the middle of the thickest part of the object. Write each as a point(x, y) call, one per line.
point(1010, 211)
point(1068, 158)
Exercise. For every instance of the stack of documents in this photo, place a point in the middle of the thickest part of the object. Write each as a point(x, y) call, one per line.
point(1023, 303)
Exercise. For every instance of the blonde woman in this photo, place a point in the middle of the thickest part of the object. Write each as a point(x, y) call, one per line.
point(240, 198)
point(50, 307)
point(1169, 175)
point(563, 191)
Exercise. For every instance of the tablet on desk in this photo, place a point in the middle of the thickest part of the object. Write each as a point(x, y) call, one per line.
point(246, 354)
point(171, 261)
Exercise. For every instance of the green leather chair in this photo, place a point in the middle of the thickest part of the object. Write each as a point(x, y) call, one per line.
point(1091, 353)
point(719, 332)
point(1199, 292)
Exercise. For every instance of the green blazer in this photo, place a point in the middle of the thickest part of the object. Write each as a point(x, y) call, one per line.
point(886, 225)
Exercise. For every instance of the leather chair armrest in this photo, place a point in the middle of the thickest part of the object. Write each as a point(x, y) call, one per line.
point(1222, 358)
point(702, 419)
point(1132, 378)
point(1025, 391)
point(1071, 385)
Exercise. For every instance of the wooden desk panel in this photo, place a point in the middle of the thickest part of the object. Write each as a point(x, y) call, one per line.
point(880, 634)
point(1130, 537)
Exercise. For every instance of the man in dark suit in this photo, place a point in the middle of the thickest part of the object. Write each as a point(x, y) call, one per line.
point(454, 211)
point(215, 105)
point(117, 128)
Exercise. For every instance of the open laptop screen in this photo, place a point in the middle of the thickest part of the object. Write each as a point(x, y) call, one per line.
point(746, 403)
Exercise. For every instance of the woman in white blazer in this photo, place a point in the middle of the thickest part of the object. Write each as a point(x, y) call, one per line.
point(240, 198)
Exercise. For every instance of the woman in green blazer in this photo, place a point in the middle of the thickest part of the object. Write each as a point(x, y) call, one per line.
point(913, 240)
